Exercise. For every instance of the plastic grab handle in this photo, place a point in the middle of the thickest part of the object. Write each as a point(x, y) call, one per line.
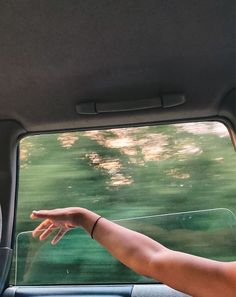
point(165, 101)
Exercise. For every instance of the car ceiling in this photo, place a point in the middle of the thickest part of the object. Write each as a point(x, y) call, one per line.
point(55, 54)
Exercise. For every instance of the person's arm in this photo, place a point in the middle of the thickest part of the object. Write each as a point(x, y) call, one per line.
point(190, 274)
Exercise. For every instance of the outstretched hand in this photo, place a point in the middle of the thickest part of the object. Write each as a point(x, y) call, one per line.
point(143, 254)
point(63, 219)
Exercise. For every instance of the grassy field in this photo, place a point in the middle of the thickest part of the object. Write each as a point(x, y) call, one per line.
point(122, 174)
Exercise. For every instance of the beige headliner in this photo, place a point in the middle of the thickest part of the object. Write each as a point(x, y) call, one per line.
point(55, 54)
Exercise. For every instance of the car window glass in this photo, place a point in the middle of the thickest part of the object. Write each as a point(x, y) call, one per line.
point(84, 261)
point(175, 183)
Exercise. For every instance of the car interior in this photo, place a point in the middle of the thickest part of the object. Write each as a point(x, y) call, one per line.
point(72, 66)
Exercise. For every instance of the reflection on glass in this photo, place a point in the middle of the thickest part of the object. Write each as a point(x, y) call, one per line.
point(78, 259)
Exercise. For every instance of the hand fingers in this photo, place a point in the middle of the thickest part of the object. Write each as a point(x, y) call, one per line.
point(59, 235)
point(41, 228)
point(53, 220)
point(47, 232)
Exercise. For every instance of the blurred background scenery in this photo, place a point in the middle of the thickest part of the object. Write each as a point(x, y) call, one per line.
point(175, 183)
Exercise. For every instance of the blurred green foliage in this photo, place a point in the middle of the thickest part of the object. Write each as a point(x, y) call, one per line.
point(120, 174)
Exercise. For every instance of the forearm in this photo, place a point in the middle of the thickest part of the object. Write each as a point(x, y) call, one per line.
point(133, 249)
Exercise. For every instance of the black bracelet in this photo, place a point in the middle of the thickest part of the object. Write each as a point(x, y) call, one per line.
point(94, 226)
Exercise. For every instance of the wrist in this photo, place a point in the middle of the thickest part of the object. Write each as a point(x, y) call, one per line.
point(86, 219)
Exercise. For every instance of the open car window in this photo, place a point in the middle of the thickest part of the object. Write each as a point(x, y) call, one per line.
point(175, 183)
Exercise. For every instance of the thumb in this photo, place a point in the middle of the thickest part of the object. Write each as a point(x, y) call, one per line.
point(44, 214)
